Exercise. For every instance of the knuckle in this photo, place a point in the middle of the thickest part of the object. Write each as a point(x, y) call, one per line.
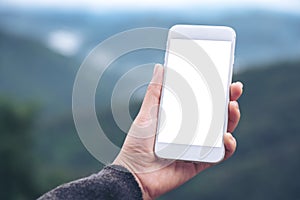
point(154, 89)
point(143, 120)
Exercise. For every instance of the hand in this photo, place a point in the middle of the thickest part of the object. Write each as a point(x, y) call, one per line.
point(157, 176)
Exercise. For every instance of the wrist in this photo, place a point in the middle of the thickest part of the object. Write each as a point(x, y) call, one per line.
point(143, 189)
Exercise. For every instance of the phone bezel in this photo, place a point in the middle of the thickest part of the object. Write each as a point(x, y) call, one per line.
point(198, 32)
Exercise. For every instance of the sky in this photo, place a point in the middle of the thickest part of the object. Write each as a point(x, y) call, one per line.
point(285, 5)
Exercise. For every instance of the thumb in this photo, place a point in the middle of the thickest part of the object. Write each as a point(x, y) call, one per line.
point(149, 108)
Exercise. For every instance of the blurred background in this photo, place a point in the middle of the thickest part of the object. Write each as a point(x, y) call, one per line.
point(43, 43)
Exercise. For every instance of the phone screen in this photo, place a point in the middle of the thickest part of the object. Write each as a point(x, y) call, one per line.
point(220, 54)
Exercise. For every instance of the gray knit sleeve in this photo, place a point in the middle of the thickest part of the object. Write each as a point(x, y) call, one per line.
point(112, 182)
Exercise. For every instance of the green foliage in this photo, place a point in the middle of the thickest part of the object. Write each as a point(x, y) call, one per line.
point(17, 163)
point(30, 72)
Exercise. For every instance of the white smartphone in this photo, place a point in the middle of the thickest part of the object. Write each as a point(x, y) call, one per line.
point(193, 109)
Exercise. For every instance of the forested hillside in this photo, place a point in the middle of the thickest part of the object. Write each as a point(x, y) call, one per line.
point(35, 81)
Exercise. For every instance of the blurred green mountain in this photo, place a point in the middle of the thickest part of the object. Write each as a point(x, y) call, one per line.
point(263, 34)
point(17, 166)
point(29, 71)
point(265, 165)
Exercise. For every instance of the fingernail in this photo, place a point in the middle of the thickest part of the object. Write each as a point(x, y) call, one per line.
point(239, 83)
point(156, 68)
point(235, 104)
point(231, 138)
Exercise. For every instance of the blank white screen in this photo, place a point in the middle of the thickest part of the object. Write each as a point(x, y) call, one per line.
point(219, 52)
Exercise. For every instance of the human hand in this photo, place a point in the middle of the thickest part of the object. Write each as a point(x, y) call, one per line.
point(156, 176)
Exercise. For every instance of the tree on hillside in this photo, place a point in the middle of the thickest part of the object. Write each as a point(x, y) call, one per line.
point(16, 160)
